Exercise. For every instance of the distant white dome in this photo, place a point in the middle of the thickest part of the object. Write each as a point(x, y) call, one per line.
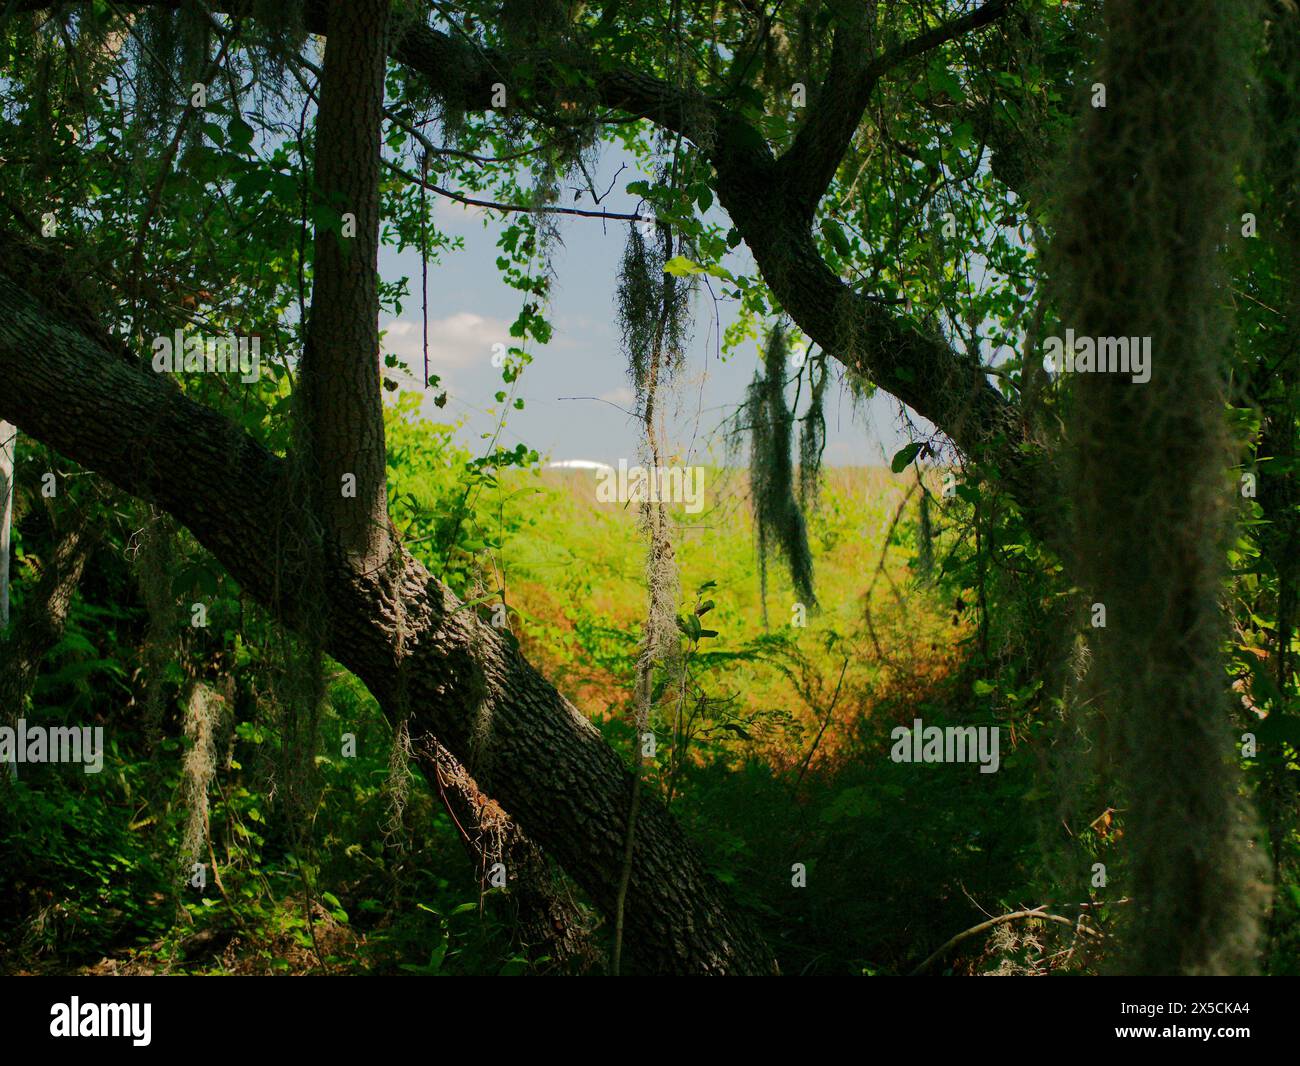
point(578, 464)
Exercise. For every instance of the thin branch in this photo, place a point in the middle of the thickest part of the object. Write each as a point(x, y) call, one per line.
point(492, 205)
point(810, 163)
point(1002, 919)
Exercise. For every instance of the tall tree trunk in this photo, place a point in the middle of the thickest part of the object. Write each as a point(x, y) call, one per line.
point(1139, 252)
point(340, 441)
point(341, 405)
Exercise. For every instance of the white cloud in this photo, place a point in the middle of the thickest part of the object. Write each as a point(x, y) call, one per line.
point(622, 396)
point(459, 340)
point(454, 215)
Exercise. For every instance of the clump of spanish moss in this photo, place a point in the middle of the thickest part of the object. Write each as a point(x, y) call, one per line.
point(280, 28)
point(638, 302)
point(397, 786)
point(812, 435)
point(659, 641)
point(298, 685)
point(778, 518)
point(297, 699)
point(527, 23)
point(294, 660)
point(1138, 253)
point(653, 309)
point(62, 79)
point(203, 719)
point(653, 306)
point(925, 549)
point(172, 48)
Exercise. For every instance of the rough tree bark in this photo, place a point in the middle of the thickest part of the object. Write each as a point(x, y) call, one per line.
point(341, 450)
point(340, 404)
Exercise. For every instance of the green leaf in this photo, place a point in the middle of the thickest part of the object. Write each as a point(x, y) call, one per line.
point(681, 267)
point(240, 134)
point(832, 232)
point(904, 456)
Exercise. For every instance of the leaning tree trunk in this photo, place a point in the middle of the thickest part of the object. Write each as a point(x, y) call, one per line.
point(428, 659)
point(468, 686)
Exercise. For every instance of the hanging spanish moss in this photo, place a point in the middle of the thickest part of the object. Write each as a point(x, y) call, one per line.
point(397, 787)
point(277, 30)
point(298, 683)
point(172, 48)
point(925, 549)
point(653, 307)
point(154, 558)
point(653, 346)
point(204, 716)
point(638, 306)
point(528, 23)
point(778, 519)
point(812, 435)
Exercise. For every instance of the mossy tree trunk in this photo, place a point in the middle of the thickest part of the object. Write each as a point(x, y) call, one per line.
point(1146, 210)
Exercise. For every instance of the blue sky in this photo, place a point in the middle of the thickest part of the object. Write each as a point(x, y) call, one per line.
point(576, 385)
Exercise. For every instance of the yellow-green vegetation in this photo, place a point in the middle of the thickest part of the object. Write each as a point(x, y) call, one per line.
point(573, 574)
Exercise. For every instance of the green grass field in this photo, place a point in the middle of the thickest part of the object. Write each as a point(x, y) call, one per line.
point(573, 574)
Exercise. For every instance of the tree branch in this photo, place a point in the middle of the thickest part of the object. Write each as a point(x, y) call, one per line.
point(1001, 919)
point(809, 165)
